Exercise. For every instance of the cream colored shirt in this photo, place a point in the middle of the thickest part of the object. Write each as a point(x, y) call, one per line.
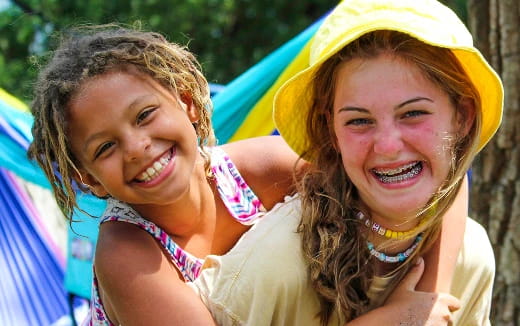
point(263, 279)
point(472, 280)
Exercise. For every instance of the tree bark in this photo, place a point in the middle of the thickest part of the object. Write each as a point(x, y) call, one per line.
point(495, 189)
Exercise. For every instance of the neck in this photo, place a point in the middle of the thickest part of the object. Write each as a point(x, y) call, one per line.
point(189, 213)
point(401, 223)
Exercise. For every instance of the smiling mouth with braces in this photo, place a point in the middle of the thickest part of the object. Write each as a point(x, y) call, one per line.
point(156, 168)
point(400, 174)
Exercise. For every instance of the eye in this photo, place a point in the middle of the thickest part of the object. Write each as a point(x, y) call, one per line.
point(358, 122)
point(143, 115)
point(414, 113)
point(102, 149)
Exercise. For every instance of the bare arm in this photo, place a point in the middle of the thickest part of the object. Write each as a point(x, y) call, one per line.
point(441, 259)
point(138, 285)
point(267, 164)
point(407, 306)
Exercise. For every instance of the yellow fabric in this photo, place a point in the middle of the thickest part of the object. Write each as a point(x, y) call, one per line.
point(13, 101)
point(263, 280)
point(259, 121)
point(426, 20)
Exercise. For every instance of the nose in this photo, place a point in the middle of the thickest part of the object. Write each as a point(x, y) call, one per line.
point(388, 141)
point(135, 146)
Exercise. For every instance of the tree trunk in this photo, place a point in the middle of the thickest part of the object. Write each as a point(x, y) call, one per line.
point(495, 189)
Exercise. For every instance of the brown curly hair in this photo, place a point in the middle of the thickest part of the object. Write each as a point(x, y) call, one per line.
point(89, 51)
point(341, 269)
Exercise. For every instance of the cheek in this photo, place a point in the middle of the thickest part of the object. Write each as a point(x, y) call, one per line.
point(432, 140)
point(354, 152)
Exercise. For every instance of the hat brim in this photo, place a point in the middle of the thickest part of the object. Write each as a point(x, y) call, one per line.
point(293, 100)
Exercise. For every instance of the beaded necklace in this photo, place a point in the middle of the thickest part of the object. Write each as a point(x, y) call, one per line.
point(400, 257)
point(387, 233)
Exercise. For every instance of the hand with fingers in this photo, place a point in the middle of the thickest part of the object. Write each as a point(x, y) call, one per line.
point(421, 308)
point(409, 307)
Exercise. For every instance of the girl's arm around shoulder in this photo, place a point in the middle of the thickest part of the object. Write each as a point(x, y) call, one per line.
point(441, 258)
point(138, 284)
point(267, 164)
point(407, 306)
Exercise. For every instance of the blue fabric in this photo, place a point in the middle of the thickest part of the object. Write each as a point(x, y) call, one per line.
point(81, 243)
point(31, 278)
point(15, 136)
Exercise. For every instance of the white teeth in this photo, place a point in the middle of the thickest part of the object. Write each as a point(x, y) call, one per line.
point(156, 168)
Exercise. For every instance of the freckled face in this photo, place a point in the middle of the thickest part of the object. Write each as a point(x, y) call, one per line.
point(395, 132)
point(133, 138)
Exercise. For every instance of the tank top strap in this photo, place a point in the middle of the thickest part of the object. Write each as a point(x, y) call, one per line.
point(188, 265)
point(240, 200)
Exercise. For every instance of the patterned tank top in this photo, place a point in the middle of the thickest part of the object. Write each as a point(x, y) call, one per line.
point(237, 196)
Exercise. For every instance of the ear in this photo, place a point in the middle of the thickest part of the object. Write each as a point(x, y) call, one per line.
point(465, 116)
point(191, 110)
point(88, 180)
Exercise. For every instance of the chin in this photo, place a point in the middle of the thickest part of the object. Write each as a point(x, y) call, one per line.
point(400, 212)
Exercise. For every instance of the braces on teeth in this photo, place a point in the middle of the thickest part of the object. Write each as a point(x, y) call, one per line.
point(398, 170)
point(416, 168)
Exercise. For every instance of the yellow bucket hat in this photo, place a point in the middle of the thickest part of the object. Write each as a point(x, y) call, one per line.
point(426, 20)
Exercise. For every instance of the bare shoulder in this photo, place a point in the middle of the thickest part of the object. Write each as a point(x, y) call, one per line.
point(127, 246)
point(124, 253)
point(267, 164)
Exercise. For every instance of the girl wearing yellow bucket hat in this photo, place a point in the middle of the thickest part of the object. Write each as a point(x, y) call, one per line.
point(394, 105)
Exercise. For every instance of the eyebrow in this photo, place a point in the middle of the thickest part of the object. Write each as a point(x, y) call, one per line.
point(90, 139)
point(135, 103)
point(413, 100)
point(405, 103)
point(132, 106)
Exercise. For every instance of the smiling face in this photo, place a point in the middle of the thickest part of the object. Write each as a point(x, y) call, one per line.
point(395, 130)
point(134, 139)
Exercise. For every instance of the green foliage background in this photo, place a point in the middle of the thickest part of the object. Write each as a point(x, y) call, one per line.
point(228, 36)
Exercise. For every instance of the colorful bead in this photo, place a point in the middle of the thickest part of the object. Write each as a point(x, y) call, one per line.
point(399, 257)
point(390, 234)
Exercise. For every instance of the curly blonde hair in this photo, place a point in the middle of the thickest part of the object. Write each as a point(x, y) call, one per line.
point(89, 51)
point(340, 265)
